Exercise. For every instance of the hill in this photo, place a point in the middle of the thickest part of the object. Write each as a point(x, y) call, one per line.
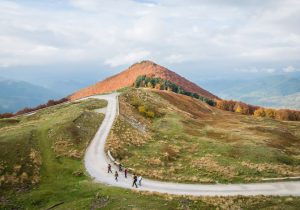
point(41, 166)
point(15, 95)
point(179, 135)
point(276, 91)
point(127, 78)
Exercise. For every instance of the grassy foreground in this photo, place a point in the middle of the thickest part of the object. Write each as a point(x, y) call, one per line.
point(41, 168)
point(172, 137)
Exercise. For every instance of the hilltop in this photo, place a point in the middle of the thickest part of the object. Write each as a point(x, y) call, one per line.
point(127, 78)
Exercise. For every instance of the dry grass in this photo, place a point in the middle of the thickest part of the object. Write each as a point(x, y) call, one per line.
point(193, 142)
point(18, 176)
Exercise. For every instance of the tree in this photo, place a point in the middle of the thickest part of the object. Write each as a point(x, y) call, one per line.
point(157, 86)
point(238, 109)
point(6, 115)
point(139, 80)
point(149, 85)
point(260, 112)
point(270, 113)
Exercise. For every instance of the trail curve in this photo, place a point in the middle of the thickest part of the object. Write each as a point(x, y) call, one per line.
point(96, 162)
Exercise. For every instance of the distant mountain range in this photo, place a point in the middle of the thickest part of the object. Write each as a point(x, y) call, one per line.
point(15, 95)
point(279, 91)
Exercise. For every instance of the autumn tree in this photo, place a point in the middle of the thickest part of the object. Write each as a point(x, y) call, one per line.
point(270, 113)
point(158, 86)
point(6, 115)
point(260, 112)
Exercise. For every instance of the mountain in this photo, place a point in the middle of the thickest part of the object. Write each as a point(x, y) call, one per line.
point(277, 91)
point(291, 101)
point(15, 95)
point(127, 78)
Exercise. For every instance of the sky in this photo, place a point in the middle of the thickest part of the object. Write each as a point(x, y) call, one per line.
point(192, 37)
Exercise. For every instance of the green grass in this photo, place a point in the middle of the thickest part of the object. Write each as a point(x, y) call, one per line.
point(192, 142)
point(62, 178)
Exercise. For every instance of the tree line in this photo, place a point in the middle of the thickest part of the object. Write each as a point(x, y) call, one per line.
point(28, 109)
point(162, 84)
point(227, 105)
point(257, 111)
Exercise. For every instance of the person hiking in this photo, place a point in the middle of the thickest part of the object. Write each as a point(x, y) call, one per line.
point(134, 181)
point(139, 179)
point(109, 169)
point(120, 167)
point(125, 173)
point(116, 176)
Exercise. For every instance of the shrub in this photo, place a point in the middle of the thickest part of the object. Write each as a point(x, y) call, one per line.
point(48, 104)
point(135, 101)
point(260, 112)
point(142, 109)
point(270, 113)
point(150, 114)
point(285, 159)
point(6, 115)
point(170, 152)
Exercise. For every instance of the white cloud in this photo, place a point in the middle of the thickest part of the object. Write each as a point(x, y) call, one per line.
point(129, 58)
point(290, 69)
point(175, 58)
point(256, 70)
point(171, 31)
point(269, 70)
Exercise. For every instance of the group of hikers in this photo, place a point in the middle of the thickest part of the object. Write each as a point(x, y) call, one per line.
point(137, 180)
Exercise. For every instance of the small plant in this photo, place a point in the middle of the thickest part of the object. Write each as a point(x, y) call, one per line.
point(170, 152)
point(142, 109)
point(150, 114)
point(135, 101)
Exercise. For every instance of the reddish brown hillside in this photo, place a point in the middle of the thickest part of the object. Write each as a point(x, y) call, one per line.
point(127, 78)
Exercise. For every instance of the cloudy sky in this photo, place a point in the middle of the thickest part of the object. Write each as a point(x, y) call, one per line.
point(252, 36)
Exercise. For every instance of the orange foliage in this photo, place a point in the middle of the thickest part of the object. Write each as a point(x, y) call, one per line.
point(260, 112)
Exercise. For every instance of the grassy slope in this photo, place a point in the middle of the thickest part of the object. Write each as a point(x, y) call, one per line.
point(58, 145)
point(192, 142)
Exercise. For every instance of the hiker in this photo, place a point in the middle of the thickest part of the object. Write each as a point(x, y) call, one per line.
point(120, 167)
point(125, 173)
point(140, 180)
point(109, 169)
point(116, 176)
point(134, 181)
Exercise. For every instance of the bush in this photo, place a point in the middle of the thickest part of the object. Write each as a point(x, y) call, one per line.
point(141, 109)
point(170, 152)
point(6, 115)
point(150, 114)
point(134, 101)
point(48, 104)
point(285, 159)
point(260, 112)
point(270, 113)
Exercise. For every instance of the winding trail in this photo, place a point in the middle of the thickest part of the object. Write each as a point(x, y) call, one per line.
point(96, 163)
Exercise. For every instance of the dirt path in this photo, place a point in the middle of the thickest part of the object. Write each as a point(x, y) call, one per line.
point(96, 164)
